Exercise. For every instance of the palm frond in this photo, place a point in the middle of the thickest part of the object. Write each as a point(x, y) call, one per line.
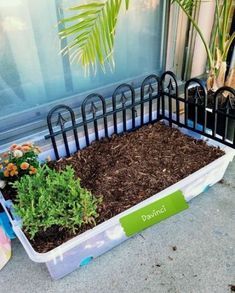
point(220, 37)
point(186, 5)
point(127, 2)
point(221, 41)
point(90, 32)
point(227, 46)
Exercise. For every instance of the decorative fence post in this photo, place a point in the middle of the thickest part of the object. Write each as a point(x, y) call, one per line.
point(199, 102)
point(198, 115)
point(149, 83)
point(122, 91)
point(171, 92)
point(92, 99)
point(61, 121)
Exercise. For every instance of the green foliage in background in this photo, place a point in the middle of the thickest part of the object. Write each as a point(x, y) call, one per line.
point(221, 41)
point(90, 32)
point(54, 198)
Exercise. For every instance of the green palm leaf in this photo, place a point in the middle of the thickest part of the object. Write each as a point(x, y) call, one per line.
point(90, 32)
point(187, 6)
point(220, 43)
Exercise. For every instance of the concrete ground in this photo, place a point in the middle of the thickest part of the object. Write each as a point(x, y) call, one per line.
point(204, 259)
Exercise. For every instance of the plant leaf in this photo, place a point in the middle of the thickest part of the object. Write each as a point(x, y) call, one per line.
point(230, 81)
point(187, 7)
point(127, 2)
point(91, 31)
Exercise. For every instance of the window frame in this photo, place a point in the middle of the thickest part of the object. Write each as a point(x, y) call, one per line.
point(31, 125)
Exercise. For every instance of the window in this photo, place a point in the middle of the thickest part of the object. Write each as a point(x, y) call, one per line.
point(34, 76)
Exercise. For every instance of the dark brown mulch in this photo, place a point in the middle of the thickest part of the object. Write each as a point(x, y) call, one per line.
point(126, 169)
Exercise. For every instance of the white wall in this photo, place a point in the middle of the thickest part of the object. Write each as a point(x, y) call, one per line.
point(205, 21)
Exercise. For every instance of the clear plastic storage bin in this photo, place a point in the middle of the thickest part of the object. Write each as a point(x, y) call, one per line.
point(83, 248)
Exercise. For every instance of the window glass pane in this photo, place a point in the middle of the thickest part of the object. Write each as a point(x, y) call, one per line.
point(33, 73)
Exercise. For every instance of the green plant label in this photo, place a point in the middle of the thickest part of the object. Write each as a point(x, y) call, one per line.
point(153, 213)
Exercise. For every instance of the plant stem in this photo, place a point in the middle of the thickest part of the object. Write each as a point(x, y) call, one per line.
point(228, 45)
point(209, 55)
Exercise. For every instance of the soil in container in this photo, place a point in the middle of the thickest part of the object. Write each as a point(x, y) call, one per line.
point(128, 168)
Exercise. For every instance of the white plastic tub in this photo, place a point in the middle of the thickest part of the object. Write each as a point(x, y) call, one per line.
point(83, 248)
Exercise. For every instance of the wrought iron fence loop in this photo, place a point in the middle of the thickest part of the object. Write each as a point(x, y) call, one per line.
point(172, 93)
point(122, 91)
point(153, 90)
point(148, 83)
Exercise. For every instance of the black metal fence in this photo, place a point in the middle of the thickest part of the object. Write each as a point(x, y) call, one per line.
point(157, 99)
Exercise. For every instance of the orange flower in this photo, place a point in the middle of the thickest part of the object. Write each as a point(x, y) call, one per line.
point(13, 147)
point(6, 173)
point(11, 170)
point(10, 166)
point(24, 166)
point(32, 170)
point(13, 173)
point(18, 148)
point(26, 148)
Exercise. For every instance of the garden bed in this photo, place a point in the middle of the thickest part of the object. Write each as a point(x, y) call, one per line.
point(143, 176)
point(73, 251)
point(126, 169)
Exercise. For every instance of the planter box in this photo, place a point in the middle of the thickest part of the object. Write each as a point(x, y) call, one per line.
point(153, 99)
point(83, 248)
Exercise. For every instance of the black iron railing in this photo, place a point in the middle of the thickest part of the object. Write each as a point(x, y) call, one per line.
point(157, 99)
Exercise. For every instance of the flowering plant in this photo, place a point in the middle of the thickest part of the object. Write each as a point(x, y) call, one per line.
point(18, 161)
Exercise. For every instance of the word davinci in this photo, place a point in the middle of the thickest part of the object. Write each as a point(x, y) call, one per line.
point(155, 213)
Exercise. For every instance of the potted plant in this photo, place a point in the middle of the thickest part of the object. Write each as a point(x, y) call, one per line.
point(91, 41)
point(17, 162)
point(20, 160)
point(218, 73)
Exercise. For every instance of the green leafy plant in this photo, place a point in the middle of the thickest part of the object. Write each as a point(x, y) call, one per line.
point(20, 160)
point(90, 32)
point(221, 41)
point(54, 198)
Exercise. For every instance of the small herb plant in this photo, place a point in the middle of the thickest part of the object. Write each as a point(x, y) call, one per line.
point(18, 161)
point(54, 198)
